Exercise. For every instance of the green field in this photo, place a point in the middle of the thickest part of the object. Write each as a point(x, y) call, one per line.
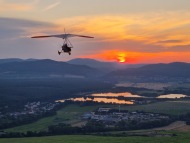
point(180, 138)
point(167, 107)
point(71, 114)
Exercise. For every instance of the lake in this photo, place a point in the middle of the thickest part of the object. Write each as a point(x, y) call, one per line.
point(172, 96)
point(112, 97)
point(124, 94)
point(96, 99)
point(103, 97)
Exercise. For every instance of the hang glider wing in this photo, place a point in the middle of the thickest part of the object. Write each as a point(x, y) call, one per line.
point(63, 36)
point(74, 35)
point(40, 36)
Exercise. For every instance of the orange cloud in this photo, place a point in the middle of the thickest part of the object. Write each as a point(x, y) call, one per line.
point(149, 28)
point(138, 57)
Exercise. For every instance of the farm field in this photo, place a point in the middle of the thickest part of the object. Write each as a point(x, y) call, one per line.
point(180, 126)
point(166, 107)
point(155, 86)
point(180, 138)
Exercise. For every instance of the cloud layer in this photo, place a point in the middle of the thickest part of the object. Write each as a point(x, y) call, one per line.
point(116, 38)
point(149, 28)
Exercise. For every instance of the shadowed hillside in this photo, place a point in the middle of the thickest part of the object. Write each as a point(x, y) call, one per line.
point(160, 72)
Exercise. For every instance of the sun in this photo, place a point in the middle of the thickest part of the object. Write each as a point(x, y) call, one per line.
point(121, 57)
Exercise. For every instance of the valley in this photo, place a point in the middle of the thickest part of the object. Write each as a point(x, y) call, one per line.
point(59, 100)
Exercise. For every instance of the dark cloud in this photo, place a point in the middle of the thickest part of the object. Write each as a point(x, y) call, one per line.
point(170, 41)
point(181, 48)
point(14, 22)
point(11, 27)
point(15, 41)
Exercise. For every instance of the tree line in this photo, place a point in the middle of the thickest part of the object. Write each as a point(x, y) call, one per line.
point(89, 128)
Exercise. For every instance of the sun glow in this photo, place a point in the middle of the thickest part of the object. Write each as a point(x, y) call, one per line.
point(139, 57)
point(121, 57)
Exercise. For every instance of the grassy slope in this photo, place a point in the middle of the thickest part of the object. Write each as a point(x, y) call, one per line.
point(181, 137)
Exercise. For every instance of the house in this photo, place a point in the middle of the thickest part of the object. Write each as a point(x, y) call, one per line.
point(103, 109)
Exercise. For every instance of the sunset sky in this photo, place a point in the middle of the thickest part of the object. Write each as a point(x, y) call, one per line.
point(131, 31)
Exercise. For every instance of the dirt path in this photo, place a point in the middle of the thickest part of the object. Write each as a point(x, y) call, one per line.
point(176, 126)
point(78, 123)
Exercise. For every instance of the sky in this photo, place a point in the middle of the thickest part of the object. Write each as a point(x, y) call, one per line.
point(129, 31)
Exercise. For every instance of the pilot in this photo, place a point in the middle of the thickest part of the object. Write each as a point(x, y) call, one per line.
point(66, 49)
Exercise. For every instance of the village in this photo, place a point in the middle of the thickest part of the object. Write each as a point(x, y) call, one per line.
point(111, 117)
point(31, 111)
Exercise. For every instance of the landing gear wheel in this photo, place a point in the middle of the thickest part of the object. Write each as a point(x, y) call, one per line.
point(59, 52)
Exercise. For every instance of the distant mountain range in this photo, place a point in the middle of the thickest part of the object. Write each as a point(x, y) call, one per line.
point(172, 70)
point(90, 68)
point(103, 66)
point(44, 67)
point(2, 61)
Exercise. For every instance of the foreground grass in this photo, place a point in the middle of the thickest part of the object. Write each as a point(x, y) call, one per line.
point(180, 138)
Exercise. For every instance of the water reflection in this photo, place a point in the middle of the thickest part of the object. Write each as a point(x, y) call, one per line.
point(113, 98)
point(124, 94)
point(172, 96)
point(105, 100)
